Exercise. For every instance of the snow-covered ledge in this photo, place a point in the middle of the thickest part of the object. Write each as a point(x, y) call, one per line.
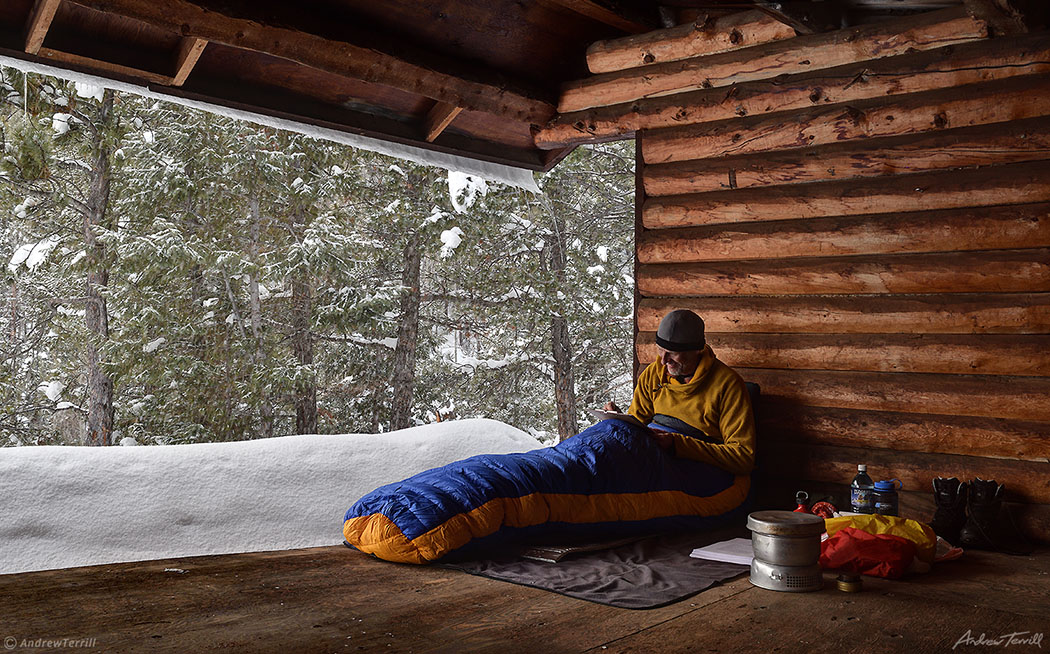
point(518, 177)
point(73, 506)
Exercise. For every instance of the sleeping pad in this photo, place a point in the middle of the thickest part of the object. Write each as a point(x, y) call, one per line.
point(609, 480)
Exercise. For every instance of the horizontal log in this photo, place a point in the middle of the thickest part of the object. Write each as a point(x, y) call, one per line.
point(1001, 313)
point(949, 230)
point(1017, 398)
point(962, 354)
point(804, 53)
point(707, 35)
point(905, 432)
point(1019, 183)
point(997, 271)
point(1023, 481)
point(360, 53)
point(983, 145)
point(952, 66)
point(977, 104)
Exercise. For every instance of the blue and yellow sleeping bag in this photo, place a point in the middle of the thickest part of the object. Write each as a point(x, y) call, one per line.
point(609, 480)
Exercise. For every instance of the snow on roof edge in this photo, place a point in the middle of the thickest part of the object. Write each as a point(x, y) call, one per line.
point(493, 172)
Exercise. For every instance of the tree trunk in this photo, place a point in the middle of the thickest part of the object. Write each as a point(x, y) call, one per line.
point(564, 384)
point(302, 343)
point(404, 374)
point(96, 317)
point(258, 356)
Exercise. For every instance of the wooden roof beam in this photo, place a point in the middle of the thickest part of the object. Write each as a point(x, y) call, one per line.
point(51, 54)
point(368, 58)
point(1003, 18)
point(39, 22)
point(779, 14)
point(611, 13)
point(190, 49)
point(438, 118)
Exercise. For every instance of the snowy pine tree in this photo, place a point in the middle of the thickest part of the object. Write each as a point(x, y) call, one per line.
point(248, 282)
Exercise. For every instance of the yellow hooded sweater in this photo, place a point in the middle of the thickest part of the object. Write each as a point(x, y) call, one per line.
point(715, 401)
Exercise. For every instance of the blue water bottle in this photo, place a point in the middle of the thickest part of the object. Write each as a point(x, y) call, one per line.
point(887, 502)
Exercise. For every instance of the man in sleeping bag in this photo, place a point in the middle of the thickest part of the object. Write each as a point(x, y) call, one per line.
point(696, 406)
point(590, 485)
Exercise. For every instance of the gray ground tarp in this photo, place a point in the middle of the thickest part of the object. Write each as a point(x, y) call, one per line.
point(644, 574)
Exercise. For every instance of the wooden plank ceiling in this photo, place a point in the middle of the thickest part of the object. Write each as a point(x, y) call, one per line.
point(475, 78)
point(467, 77)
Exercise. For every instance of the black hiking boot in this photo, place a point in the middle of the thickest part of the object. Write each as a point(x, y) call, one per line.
point(950, 495)
point(988, 526)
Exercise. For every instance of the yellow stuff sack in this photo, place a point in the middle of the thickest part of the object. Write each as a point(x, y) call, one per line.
point(920, 534)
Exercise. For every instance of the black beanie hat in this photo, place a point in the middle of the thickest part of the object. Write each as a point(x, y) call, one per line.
point(681, 331)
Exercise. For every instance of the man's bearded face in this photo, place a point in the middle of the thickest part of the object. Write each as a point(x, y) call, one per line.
point(680, 364)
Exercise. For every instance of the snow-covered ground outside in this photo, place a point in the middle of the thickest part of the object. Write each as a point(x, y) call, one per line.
point(73, 506)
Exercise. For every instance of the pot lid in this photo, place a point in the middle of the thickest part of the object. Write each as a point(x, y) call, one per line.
point(785, 523)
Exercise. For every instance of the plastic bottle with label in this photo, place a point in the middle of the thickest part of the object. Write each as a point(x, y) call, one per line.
point(862, 492)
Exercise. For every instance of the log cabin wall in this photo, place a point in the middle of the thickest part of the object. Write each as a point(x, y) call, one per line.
point(862, 218)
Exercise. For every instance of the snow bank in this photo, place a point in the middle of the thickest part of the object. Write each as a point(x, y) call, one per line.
point(72, 506)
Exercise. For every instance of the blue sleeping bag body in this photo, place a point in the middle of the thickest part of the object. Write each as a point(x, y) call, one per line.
point(611, 479)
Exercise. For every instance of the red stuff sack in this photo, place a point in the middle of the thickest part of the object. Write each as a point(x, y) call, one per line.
point(875, 555)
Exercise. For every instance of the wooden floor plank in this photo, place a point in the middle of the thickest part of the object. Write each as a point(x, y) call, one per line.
point(318, 599)
point(331, 599)
point(826, 621)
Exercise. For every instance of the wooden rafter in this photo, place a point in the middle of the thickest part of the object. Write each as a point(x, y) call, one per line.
point(190, 49)
point(39, 22)
point(794, 23)
point(1002, 17)
point(438, 118)
point(107, 66)
point(607, 13)
point(366, 58)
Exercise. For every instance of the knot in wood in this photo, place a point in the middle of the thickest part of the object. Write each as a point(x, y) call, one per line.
point(855, 115)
